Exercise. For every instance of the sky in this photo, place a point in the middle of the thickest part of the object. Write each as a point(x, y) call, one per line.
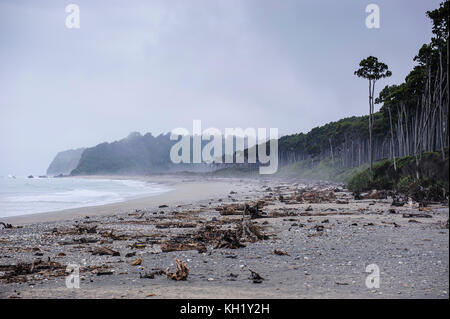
point(152, 66)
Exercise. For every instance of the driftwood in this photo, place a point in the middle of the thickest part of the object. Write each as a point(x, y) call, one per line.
point(417, 216)
point(181, 273)
point(255, 277)
point(101, 251)
point(280, 253)
point(170, 246)
point(19, 272)
point(5, 225)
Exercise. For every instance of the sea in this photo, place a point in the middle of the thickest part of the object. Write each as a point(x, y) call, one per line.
point(23, 195)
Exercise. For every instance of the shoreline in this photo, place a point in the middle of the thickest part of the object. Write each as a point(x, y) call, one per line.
point(183, 190)
point(311, 240)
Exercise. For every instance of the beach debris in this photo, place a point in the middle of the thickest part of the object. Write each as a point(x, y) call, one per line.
point(342, 283)
point(101, 251)
point(153, 273)
point(357, 195)
point(280, 253)
point(84, 229)
point(318, 228)
point(249, 208)
point(39, 268)
point(163, 206)
point(229, 240)
point(327, 213)
point(399, 201)
point(316, 196)
point(253, 210)
point(342, 202)
point(140, 213)
point(175, 225)
point(416, 215)
point(181, 273)
point(136, 262)
point(104, 272)
point(6, 226)
point(82, 240)
point(173, 246)
point(376, 194)
point(232, 277)
point(255, 277)
point(138, 245)
point(110, 234)
point(129, 255)
point(250, 232)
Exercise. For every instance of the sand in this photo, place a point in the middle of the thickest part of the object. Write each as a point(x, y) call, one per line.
point(184, 190)
point(328, 245)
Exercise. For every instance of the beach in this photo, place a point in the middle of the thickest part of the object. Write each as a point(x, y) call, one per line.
point(238, 238)
point(181, 190)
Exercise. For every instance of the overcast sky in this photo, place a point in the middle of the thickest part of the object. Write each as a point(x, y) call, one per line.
point(151, 66)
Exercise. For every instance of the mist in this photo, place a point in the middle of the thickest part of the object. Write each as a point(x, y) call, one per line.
point(151, 66)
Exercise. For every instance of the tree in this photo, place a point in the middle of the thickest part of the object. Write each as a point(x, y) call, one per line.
point(386, 96)
point(373, 70)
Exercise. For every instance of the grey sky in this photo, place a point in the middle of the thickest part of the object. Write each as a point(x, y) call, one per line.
point(151, 66)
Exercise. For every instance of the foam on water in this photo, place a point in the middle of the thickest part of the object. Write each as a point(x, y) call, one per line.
point(28, 196)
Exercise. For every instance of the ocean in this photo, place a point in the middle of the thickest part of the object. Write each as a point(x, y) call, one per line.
point(22, 196)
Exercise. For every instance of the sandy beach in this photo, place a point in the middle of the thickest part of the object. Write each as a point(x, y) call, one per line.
point(238, 238)
point(183, 190)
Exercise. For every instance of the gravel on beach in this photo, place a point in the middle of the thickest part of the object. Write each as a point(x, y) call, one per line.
point(305, 240)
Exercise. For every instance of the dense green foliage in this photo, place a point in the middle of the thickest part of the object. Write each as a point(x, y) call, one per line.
point(318, 139)
point(413, 117)
point(432, 184)
point(324, 170)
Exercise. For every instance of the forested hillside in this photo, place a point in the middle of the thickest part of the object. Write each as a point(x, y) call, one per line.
point(135, 154)
point(413, 117)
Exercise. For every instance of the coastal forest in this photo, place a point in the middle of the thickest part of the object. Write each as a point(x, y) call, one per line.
point(409, 132)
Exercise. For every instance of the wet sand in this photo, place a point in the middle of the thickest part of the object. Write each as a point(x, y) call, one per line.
point(183, 190)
